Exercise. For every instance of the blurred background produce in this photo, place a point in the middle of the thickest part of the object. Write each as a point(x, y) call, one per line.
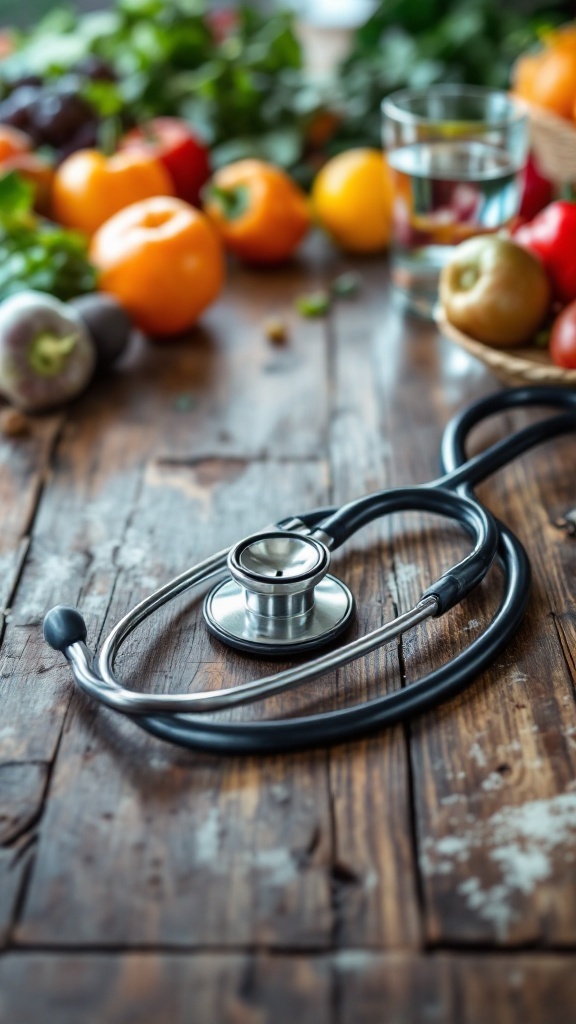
point(107, 108)
point(237, 73)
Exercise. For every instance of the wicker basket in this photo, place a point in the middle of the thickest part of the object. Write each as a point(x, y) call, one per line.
point(528, 365)
point(553, 140)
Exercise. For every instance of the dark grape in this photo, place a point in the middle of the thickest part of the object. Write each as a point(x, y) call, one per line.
point(59, 117)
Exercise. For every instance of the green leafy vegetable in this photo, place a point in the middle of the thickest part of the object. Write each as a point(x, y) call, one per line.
point(36, 254)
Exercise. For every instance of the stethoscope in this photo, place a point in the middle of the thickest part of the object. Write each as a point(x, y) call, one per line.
point(274, 596)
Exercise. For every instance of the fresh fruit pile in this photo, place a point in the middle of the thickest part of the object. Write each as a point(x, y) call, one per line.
point(237, 74)
point(508, 292)
point(141, 144)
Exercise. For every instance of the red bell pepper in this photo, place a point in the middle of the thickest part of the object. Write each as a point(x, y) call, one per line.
point(171, 141)
point(552, 237)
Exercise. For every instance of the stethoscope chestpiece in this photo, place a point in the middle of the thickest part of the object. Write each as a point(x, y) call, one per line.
point(280, 599)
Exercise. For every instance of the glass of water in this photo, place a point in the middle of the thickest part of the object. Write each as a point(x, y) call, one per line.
point(457, 154)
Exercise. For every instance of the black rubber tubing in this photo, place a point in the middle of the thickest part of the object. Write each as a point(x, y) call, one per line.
point(440, 684)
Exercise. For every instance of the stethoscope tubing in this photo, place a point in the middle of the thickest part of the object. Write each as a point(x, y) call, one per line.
point(451, 495)
point(345, 724)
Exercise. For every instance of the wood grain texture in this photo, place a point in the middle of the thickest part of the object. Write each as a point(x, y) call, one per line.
point(460, 989)
point(156, 989)
point(350, 988)
point(375, 884)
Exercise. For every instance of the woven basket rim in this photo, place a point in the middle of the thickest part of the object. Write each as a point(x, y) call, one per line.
point(553, 139)
point(529, 365)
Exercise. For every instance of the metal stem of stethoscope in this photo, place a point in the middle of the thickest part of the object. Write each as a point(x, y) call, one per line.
point(280, 598)
point(120, 699)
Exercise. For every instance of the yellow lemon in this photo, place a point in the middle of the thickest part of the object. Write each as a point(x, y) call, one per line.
point(352, 200)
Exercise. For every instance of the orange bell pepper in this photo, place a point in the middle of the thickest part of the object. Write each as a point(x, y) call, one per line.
point(163, 261)
point(90, 187)
point(260, 213)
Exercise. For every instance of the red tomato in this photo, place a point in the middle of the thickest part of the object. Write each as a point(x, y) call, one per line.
point(171, 141)
point(552, 237)
point(563, 339)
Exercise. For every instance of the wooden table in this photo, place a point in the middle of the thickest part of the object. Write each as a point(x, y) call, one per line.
point(426, 874)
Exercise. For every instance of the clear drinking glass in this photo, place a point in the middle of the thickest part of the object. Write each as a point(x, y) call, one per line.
point(457, 155)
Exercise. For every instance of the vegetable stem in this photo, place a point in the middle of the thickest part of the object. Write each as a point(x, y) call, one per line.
point(48, 353)
point(234, 201)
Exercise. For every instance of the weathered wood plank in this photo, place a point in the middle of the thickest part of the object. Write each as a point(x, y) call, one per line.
point(376, 902)
point(494, 770)
point(154, 989)
point(79, 523)
point(24, 469)
point(15, 862)
point(350, 988)
point(455, 989)
point(258, 830)
point(22, 789)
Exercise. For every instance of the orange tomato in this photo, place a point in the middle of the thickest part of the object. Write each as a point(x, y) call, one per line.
point(90, 187)
point(162, 259)
point(259, 212)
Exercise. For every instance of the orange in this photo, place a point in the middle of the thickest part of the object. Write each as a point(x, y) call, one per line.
point(562, 38)
point(548, 78)
point(162, 259)
point(352, 199)
point(90, 187)
point(554, 84)
point(524, 75)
